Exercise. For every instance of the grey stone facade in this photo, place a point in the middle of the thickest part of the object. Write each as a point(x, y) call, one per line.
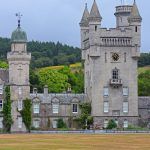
point(110, 63)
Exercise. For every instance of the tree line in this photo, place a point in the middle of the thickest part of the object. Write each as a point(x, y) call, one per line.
point(52, 54)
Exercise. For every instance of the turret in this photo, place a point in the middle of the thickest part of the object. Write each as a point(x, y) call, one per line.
point(122, 13)
point(135, 20)
point(84, 25)
point(94, 26)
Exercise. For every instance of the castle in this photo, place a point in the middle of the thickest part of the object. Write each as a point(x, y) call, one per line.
point(110, 64)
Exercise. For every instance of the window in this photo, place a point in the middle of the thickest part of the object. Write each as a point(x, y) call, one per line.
point(36, 123)
point(55, 108)
point(105, 123)
point(19, 105)
point(105, 57)
point(106, 91)
point(75, 108)
point(95, 28)
point(115, 74)
point(125, 57)
point(36, 108)
point(20, 122)
point(125, 91)
point(1, 89)
point(1, 105)
point(125, 124)
point(125, 107)
point(106, 107)
point(20, 90)
point(116, 121)
point(136, 29)
point(54, 123)
point(1, 122)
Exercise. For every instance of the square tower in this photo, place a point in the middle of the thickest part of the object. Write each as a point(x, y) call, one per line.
point(110, 63)
point(19, 61)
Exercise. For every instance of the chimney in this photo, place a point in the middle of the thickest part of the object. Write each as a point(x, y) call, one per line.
point(45, 90)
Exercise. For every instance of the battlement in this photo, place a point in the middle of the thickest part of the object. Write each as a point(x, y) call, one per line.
point(115, 32)
point(123, 9)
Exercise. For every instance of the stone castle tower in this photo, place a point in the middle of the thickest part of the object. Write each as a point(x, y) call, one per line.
point(110, 61)
point(19, 61)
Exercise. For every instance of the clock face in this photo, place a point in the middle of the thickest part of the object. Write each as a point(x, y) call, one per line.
point(115, 56)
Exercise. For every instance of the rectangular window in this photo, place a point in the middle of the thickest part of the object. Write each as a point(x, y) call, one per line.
point(1, 122)
point(1, 105)
point(54, 123)
point(75, 108)
point(116, 121)
point(1, 89)
point(125, 107)
point(36, 108)
point(125, 124)
point(20, 122)
point(105, 123)
point(125, 91)
point(106, 107)
point(19, 105)
point(20, 90)
point(36, 123)
point(55, 108)
point(106, 91)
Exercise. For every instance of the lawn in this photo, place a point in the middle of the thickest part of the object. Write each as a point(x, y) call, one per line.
point(74, 142)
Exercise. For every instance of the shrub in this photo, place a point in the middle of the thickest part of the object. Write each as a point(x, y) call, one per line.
point(111, 124)
point(61, 124)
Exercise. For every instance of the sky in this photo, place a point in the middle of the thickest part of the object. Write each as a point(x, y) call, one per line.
point(58, 20)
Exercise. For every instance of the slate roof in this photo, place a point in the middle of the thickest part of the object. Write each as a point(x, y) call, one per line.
point(63, 98)
point(95, 14)
point(135, 15)
point(84, 20)
point(19, 36)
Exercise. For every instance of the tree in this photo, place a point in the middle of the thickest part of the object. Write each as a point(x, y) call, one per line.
point(61, 124)
point(111, 124)
point(26, 113)
point(144, 83)
point(85, 116)
point(7, 118)
point(57, 82)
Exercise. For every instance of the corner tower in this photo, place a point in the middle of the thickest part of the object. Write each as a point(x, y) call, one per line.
point(110, 63)
point(19, 61)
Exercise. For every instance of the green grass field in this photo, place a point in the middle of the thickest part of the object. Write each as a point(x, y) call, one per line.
point(74, 142)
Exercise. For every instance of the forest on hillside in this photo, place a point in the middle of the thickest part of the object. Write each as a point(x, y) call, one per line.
point(52, 54)
point(45, 54)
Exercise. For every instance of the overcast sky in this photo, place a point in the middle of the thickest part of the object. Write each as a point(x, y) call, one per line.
point(58, 20)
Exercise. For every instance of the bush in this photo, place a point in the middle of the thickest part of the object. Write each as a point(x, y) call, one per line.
point(61, 124)
point(111, 124)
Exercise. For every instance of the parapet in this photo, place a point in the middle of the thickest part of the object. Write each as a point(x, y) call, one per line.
point(123, 9)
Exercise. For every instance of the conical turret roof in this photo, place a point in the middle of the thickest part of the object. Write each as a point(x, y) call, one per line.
point(135, 15)
point(95, 14)
point(84, 20)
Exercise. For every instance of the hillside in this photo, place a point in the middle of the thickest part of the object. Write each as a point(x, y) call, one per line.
point(46, 54)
